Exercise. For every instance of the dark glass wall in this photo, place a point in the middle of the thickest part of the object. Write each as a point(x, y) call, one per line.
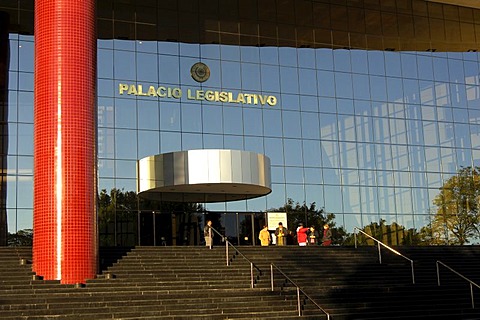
point(377, 105)
point(4, 65)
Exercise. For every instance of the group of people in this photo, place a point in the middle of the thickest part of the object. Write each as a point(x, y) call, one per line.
point(305, 236)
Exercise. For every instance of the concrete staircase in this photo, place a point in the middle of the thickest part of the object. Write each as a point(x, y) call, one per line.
point(195, 283)
point(351, 283)
point(147, 283)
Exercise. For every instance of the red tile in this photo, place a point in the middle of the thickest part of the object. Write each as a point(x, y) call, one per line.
point(65, 242)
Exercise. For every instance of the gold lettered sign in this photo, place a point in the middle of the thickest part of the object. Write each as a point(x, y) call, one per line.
point(197, 94)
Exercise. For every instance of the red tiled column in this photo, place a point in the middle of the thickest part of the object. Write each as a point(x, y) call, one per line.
point(64, 204)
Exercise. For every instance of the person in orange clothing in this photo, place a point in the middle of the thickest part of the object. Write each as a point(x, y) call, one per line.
point(264, 236)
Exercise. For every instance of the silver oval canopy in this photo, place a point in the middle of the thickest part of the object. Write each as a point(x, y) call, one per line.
point(204, 176)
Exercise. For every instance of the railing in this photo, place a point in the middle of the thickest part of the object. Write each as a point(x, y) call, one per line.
point(379, 243)
point(252, 276)
point(252, 265)
point(299, 306)
point(216, 231)
point(461, 276)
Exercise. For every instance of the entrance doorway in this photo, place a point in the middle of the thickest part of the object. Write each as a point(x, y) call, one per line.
point(158, 228)
point(186, 229)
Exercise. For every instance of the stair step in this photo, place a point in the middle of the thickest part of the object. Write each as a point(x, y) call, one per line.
point(195, 283)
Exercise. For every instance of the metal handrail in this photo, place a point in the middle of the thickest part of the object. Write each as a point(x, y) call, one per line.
point(298, 292)
point(252, 265)
point(217, 232)
point(386, 246)
point(460, 275)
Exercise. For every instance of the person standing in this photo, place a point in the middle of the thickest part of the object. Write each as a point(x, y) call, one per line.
point(313, 236)
point(264, 236)
point(281, 234)
point(302, 235)
point(208, 234)
point(327, 236)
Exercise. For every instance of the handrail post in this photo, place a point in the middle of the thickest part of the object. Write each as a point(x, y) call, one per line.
point(461, 276)
point(413, 274)
point(226, 252)
point(210, 236)
point(271, 275)
point(438, 274)
point(298, 300)
point(299, 304)
point(379, 253)
point(471, 295)
point(389, 248)
point(355, 236)
point(251, 275)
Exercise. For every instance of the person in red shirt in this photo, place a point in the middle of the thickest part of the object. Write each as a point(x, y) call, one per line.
point(302, 235)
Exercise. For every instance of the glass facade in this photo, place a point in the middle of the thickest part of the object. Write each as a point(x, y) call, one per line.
point(364, 132)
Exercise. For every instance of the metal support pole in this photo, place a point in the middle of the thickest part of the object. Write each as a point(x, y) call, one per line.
point(355, 235)
point(210, 236)
point(252, 216)
point(138, 227)
point(471, 295)
point(413, 274)
point(226, 252)
point(379, 253)
point(238, 226)
point(438, 275)
point(154, 230)
point(271, 276)
point(251, 275)
point(298, 301)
